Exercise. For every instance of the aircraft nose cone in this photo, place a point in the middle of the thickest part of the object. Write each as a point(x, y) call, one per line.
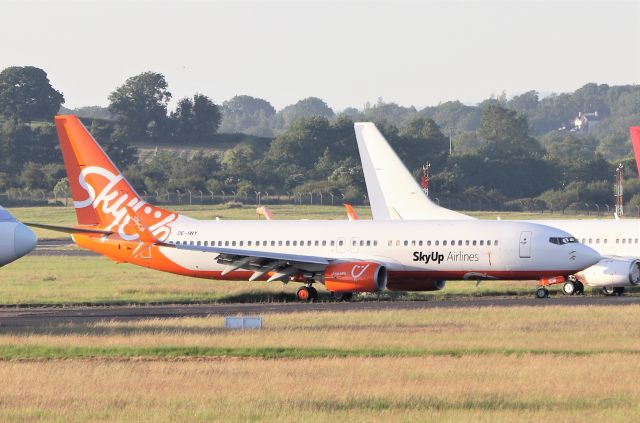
point(24, 240)
point(587, 256)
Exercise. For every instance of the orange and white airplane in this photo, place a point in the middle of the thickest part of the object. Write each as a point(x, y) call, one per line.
point(357, 256)
point(395, 195)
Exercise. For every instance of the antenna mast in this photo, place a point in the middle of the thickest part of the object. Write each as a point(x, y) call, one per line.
point(618, 191)
point(425, 178)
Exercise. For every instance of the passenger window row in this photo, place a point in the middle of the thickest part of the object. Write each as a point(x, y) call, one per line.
point(604, 240)
point(444, 243)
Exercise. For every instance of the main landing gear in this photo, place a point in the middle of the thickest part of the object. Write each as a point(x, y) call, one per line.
point(611, 291)
point(341, 296)
point(307, 294)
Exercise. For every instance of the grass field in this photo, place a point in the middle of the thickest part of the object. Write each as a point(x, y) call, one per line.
point(505, 364)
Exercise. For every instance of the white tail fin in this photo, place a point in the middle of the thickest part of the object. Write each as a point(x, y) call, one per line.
point(393, 192)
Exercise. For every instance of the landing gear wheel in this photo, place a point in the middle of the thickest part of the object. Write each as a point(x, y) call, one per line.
point(304, 294)
point(611, 291)
point(542, 292)
point(569, 288)
point(342, 296)
point(579, 288)
point(313, 293)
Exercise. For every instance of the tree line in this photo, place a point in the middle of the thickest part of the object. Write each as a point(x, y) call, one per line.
point(504, 154)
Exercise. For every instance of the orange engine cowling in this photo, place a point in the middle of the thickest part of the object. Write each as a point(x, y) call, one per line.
point(360, 276)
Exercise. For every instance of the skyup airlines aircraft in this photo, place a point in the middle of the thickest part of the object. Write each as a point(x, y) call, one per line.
point(16, 240)
point(395, 195)
point(358, 256)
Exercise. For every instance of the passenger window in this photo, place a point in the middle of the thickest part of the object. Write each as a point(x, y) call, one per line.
point(597, 240)
point(617, 241)
point(248, 243)
point(233, 243)
point(198, 243)
point(481, 242)
point(190, 242)
point(429, 243)
point(406, 243)
point(295, 243)
point(495, 243)
point(444, 242)
point(340, 243)
point(437, 242)
point(489, 243)
point(280, 243)
point(459, 242)
point(273, 243)
point(333, 243)
point(466, 242)
point(324, 243)
point(316, 243)
point(302, 243)
point(474, 242)
point(226, 243)
point(375, 243)
point(368, 243)
point(206, 243)
point(420, 243)
point(390, 243)
point(361, 243)
point(624, 240)
point(353, 243)
point(605, 240)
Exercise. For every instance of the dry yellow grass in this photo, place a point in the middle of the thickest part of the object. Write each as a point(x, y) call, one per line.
point(524, 388)
point(573, 329)
point(493, 369)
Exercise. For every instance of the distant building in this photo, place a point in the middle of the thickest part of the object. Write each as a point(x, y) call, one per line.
point(585, 121)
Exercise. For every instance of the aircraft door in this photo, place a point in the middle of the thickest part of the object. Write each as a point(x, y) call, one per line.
point(525, 244)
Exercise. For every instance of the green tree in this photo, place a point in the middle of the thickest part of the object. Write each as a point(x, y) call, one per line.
point(26, 94)
point(140, 106)
point(247, 115)
point(308, 108)
point(195, 120)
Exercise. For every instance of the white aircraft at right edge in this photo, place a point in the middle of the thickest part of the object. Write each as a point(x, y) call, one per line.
point(395, 195)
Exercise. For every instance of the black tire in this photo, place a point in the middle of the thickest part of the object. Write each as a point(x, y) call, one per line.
point(341, 296)
point(619, 291)
point(608, 291)
point(569, 288)
point(579, 288)
point(542, 292)
point(314, 294)
point(303, 294)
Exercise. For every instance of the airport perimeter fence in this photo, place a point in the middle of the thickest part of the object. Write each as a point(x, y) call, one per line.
point(35, 198)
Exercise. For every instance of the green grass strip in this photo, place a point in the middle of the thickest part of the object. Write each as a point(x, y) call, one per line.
point(16, 352)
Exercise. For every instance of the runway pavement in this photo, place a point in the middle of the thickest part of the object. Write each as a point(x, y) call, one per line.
point(41, 317)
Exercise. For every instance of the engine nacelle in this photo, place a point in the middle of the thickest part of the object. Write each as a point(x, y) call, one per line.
point(614, 272)
point(16, 240)
point(360, 276)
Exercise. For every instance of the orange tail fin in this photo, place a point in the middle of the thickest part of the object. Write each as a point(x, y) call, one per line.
point(99, 190)
point(634, 131)
point(351, 213)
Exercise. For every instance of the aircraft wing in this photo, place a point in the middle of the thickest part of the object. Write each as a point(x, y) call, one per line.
point(279, 265)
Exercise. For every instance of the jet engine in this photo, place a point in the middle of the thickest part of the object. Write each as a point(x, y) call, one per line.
point(612, 272)
point(361, 276)
point(16, 240)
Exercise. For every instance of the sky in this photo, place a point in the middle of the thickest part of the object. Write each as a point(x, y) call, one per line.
point(348, 53)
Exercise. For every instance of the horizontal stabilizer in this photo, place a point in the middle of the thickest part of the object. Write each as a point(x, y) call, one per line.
point(69, 229)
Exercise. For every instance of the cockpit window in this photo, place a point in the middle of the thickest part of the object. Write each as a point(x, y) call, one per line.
point(562, 240)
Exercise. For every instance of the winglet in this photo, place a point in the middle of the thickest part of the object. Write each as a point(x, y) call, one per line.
point(351, 213)
point(634, 131)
